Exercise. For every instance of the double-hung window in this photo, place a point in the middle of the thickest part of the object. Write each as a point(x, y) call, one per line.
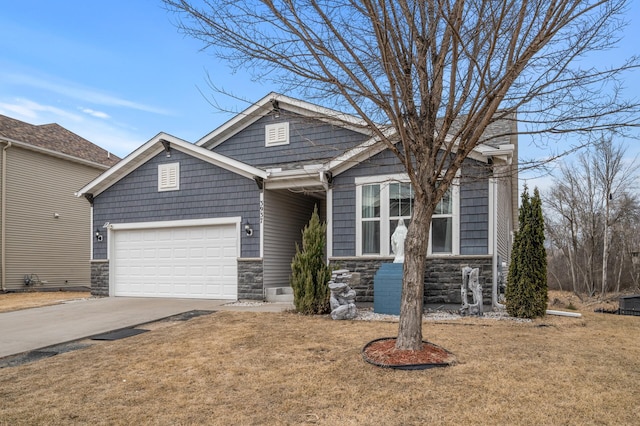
point(383, 200)
point(442, 225)
point(370, 220)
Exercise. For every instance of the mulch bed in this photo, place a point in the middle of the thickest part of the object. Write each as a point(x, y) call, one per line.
point(383, 353)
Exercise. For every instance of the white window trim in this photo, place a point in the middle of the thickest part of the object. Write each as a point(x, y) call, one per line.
point(283, 140)
point(329, 203)
point(455, 225)
point(385, 232)
point(166, 168)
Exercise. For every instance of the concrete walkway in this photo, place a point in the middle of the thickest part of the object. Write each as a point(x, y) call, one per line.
point(36, 328)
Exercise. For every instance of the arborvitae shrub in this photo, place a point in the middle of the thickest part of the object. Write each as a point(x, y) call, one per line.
point(526, 294)
point(309, 272)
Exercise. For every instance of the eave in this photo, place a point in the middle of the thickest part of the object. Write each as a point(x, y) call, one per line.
point(52, 153)
point(165, 142)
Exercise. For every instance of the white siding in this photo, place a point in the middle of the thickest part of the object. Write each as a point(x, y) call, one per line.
point(504, 220)
point(285, 215)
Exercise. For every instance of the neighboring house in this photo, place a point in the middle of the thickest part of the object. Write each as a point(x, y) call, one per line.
point(43, 235)
point(221, 218)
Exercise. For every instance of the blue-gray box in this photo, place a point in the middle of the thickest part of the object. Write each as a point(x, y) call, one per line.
point(387, 289)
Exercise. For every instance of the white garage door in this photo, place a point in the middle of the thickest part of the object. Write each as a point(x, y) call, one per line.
point(181, 262)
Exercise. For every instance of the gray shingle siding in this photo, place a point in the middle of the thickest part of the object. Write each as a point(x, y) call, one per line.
point(344, 201)
point(474, 204)
point(206, 191)
point(310, 142)
point(500, 132)
point(344, 218)
point(474, 209)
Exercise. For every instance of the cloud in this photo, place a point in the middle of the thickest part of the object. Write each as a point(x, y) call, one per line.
point(28, 110)
point(92, 126)
point(97, 114)
point(80, 93)
point(116, 140)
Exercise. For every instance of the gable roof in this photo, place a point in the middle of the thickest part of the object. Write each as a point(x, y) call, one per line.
point(268, 104)
point(496, 141)
point(497, 145)
point(165, 142)
point(55, 140)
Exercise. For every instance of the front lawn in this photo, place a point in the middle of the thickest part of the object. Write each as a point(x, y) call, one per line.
point(265, 368)
point(34, 299)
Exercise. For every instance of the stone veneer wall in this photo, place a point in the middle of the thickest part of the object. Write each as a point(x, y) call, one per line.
point(443, 277)
point(250, 279)
point(100, 278)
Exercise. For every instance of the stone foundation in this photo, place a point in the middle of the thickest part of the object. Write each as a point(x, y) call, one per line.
point(100, 278)
point(250, 279)
point(366, 268)
point(443, 277)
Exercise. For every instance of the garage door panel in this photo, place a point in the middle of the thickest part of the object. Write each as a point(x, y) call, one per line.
point(190, 262)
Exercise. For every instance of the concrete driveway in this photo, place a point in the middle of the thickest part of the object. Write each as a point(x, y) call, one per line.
point(36, 328)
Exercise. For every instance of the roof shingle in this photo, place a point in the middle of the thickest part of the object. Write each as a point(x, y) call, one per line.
point(55, 138)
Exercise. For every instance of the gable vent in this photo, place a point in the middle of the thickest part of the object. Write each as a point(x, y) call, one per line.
point(276, 134)
point(169, 177)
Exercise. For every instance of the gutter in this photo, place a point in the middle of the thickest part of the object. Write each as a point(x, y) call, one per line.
point(3, 217)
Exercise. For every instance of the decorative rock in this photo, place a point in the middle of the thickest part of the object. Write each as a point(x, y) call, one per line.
point(343, 298)
point(471, 282)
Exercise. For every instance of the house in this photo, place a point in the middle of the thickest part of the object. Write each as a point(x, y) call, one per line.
point(220, 218)
point(43, 235)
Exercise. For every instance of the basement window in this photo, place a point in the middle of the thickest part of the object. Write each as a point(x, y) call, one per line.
point(276, 134)
point(169, 177)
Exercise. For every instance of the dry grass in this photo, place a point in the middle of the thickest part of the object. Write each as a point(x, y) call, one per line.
point(34, 299)
point(285, 369)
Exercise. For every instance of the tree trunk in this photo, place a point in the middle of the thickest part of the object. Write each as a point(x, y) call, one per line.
point(605, 247)
point(415, 257)
point(572, 261)
point(619, 277)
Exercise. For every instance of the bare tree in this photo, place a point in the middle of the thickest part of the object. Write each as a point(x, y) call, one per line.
point(630, 229)
point(625, 228)
point(615, 179)
point(562, 227)
point(404, 63)
point(590, 203)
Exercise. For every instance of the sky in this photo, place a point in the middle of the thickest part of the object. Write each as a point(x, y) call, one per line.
point(118, 72)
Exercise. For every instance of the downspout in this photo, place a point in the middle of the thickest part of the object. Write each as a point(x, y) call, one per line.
point(3, 218)
point(494, 260)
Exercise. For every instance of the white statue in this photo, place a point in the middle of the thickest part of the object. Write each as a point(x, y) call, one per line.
point(397, 241)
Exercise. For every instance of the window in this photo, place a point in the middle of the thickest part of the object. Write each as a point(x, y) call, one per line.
point(169, 177)
point(276, 134)
point(442, 225)
point(371, 219)
point(383, 201)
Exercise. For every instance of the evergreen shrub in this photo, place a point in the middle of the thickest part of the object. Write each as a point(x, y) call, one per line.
point(310, 274)
point(526, 294)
